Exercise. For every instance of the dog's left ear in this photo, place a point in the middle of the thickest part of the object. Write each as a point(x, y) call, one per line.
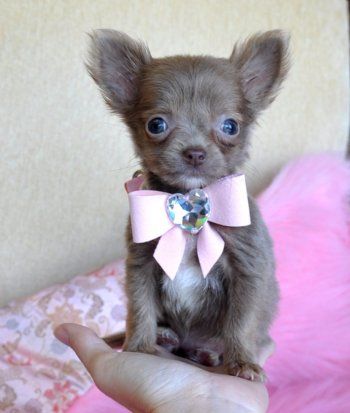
point(262, 63)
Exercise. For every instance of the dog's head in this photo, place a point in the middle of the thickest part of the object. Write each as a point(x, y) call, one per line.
point(189, 116)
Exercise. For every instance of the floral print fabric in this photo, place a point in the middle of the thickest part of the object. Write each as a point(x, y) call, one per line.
point(39, 374)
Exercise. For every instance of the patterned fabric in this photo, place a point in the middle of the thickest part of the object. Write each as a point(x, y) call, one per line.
point(39, 374)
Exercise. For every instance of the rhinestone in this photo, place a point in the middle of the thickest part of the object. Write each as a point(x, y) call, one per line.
point(190, 211)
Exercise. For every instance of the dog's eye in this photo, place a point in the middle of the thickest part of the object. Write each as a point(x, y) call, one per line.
point(157, 126)
point(230, 127)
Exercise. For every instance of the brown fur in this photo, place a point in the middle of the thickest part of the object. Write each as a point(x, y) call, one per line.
point(230, 311)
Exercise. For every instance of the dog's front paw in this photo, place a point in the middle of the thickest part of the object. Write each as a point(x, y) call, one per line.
point(206, 357)
point(140, 346)
point(167, 338)
point(246, 370)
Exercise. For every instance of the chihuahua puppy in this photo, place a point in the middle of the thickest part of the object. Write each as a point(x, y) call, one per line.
point(190, 119)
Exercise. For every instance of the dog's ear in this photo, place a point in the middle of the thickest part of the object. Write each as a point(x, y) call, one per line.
point(262, 63)
point(115, 63)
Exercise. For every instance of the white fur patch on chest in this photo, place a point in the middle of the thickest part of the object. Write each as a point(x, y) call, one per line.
point(186, 290)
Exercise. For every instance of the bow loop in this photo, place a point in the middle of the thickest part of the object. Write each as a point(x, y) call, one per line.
point(229, 201)
point(150, 220)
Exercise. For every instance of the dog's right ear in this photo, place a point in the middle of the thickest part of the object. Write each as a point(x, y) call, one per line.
point(115, 62)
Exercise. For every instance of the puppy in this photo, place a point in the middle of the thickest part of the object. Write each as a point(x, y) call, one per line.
point(190, 119)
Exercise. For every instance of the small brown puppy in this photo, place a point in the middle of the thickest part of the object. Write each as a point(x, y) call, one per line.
point(190, 119)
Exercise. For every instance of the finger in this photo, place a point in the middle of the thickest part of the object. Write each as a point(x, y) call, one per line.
point(85, 343)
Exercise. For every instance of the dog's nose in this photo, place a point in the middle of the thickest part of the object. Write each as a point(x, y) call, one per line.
point(194, 156)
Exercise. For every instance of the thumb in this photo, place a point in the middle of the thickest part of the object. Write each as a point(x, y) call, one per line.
point(86, 344)
point(109, 369)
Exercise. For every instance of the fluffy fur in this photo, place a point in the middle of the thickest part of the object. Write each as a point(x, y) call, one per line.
point(193, 97)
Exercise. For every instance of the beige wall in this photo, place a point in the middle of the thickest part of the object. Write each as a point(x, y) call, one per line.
point(64, 158)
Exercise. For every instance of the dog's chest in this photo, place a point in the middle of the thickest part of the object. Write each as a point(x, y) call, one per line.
point(189, 289)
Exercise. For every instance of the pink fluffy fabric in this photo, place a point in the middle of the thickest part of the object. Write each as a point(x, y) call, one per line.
point(307, 211)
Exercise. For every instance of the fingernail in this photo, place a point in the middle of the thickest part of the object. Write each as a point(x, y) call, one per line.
point(62, 334)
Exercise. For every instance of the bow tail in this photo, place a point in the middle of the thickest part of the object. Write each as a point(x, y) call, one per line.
point(209, 248)
point(170, 250)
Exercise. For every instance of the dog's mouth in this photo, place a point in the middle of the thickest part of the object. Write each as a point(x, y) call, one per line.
point(183, 179)
point(188, 180)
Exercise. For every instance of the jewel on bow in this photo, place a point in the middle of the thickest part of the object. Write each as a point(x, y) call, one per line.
point(175, 217)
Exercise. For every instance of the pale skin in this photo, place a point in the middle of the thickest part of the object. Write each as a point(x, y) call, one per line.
point(161, 383)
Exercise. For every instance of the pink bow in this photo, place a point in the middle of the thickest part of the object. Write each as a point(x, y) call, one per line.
point(149, 220)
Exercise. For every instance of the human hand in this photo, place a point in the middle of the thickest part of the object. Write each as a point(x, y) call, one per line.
point(160, 383)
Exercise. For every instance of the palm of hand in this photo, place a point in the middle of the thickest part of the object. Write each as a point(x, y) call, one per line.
point(160, 383)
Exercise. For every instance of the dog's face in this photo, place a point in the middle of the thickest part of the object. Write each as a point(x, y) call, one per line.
point(190, 117)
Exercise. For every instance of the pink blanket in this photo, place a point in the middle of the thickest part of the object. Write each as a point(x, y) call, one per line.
point(307, 211)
